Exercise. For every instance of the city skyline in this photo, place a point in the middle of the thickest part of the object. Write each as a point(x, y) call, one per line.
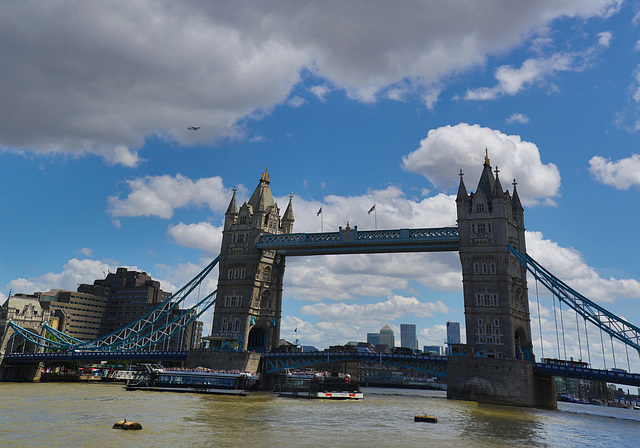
point(124, 151)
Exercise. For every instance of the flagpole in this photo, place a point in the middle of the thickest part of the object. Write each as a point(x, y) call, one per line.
point(321, 223)
point(375, 216)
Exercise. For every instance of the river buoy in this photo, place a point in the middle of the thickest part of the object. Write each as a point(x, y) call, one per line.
point(425, 418)
point(124, 424)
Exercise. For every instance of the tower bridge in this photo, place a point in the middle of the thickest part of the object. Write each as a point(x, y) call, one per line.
point(490, 240)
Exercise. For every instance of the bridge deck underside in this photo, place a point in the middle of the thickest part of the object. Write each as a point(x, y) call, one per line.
point(278, 362)
point(361, 242)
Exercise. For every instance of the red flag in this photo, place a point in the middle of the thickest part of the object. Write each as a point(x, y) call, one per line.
point(371, 209)
point(319, 211)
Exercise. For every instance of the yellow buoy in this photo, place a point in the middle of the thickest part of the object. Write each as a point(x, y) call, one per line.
point(425, 418)
point(124, 424)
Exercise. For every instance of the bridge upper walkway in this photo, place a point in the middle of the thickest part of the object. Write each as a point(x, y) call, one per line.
point(354, 241)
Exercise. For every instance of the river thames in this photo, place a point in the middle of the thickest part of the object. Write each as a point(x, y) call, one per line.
point(82, 415)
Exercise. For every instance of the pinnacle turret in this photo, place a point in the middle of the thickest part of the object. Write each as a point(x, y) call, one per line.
point(261, 199)
point(233, 207)
point(462, 190)
point(287, 218)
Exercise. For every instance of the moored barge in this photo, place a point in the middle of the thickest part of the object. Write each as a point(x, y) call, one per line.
point(318, 385)
point(153, 377)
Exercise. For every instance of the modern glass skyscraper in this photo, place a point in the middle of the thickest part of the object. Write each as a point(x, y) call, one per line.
point(408, 336)
point(387, 336)
point(453, 332)
point(453, 335)
point(373, 338)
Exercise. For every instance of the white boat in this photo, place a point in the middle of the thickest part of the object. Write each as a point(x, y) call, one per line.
point(318, 385)
point(117, 375)
point(155, 378)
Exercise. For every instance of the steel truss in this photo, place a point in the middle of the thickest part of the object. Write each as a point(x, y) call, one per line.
point(150, 329)
point(611, 324)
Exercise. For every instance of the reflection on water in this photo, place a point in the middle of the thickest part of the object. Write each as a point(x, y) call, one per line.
point(511, 425)
point(62, 415)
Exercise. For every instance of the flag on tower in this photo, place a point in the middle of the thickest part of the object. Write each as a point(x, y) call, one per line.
point(371, 209)
point(319, 211)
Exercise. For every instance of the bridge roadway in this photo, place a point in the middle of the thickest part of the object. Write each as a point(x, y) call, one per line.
point(276, 362)
point(84, 355)
point(430, 364)
point(353, 241)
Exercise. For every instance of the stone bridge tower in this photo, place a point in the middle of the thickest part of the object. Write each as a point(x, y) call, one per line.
point(249, 298)
point(26, 312)
point(495, 284)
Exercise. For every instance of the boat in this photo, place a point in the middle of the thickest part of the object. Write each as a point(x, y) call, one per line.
point(118, 375)
point(318, 385)
point(154, 377)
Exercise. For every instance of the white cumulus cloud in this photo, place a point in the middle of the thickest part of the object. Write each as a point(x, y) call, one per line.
point(448, 149)
point(620, 174)
point(160, 195)
point(200, 235)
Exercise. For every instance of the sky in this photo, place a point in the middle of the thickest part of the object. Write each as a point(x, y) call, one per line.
point(350, 104)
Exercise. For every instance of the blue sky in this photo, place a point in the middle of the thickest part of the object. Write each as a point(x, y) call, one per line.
point(349, 104)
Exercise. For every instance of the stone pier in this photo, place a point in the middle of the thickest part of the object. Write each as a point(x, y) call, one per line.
point(499, 381)
point(223, 360)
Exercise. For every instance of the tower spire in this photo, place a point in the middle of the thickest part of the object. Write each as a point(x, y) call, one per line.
point(265, 175)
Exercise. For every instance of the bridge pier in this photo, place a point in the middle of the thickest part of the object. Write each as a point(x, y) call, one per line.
point(20, 372)
point(499, 381)
point(223, 360)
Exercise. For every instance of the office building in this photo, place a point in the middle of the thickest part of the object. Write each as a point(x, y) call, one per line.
point(408, 338)
point(81, 313)
point(453, 335)
point(387, 337)
point(433, 350)
point(373, 338)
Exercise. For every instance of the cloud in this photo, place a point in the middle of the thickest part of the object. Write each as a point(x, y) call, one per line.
point(518, 118)
point(569, 265)
point(100, 79)
point(448, 149)
point(201, 235)
point(73, 273)
point(513, 80)
point(86, 251)
point(535, 70)
point(620, 174)
point(396, 306)
point(321, 92)
point(296, 101)
point(605, 38)
point(121, 155)
point(160, 195)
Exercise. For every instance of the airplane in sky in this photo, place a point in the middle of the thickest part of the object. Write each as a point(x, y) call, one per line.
point(193, 128)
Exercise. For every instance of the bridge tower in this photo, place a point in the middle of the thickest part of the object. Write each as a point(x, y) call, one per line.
point(495, 283)
point(249, 298)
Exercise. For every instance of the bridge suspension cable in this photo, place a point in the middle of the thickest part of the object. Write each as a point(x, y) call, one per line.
point(614, 326)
